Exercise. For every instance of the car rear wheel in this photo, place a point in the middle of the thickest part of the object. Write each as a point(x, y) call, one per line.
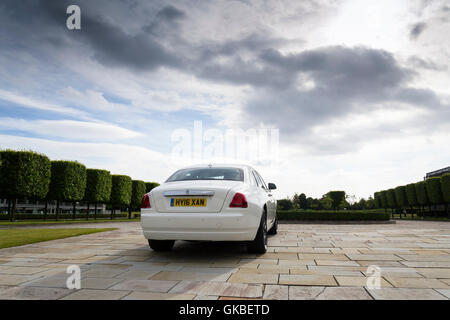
point(161, 245)
point(259, 245)
point(274, 228)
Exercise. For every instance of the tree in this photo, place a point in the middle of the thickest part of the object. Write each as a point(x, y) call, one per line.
point(326, 202)
point(336, 197)
point(391, 200)
point(23, 174)
point(370, 203)
point(383, 199)
point(138, 191)
point(309, 203)
point(120, 192)
point(303, 202)
point(434, 190)
point(400, 196)
point(68, 182)
point(411, 195)
point(377, 200)
point(98, 188)
point(421, 192)
point(445, 185)
point(150, 185)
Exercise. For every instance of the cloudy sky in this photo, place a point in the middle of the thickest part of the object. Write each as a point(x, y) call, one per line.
point(359, 90)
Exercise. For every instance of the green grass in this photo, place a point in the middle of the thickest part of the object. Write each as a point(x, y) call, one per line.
point(32, 222)
point(18, 237)
point(330, 215)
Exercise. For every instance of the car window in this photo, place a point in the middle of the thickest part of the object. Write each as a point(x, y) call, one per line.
point(233, 174)
point(262, 180)
point(255, 179)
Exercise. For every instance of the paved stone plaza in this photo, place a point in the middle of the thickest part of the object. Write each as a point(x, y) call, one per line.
point(305, 261)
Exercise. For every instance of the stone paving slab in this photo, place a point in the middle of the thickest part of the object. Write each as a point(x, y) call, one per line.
point(303, 261)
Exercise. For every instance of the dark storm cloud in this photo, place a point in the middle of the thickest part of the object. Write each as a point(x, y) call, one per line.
point(295, 92)
point(416, 30)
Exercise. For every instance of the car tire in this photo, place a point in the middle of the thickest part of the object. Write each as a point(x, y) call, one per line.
point(161, 245)
point(274, 228)
point(259, 245)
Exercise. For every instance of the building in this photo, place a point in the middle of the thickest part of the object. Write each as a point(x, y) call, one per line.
point(38, 207)
point(437, 173)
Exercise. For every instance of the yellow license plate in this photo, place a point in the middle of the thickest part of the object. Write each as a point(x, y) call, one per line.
point(188, 202)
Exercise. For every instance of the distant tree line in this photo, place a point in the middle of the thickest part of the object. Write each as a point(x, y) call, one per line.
point(333, 200)
point(33, 176)
point(419, 196)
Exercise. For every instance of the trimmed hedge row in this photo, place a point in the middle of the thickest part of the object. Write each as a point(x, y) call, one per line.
point(432, 191)
point(30, 175)
point(332, 215)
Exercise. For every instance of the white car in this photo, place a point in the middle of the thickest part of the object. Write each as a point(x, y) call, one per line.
point(210, 203)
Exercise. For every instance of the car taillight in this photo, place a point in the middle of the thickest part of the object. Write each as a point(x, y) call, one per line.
point(145, 203)
point(238, 201)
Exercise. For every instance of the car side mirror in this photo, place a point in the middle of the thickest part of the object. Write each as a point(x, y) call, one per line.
point(272, 186)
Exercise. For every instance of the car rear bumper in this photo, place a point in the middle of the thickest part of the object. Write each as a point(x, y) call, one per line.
point(200, 226)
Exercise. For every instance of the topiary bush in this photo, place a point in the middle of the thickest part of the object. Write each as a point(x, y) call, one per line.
point(383, 199)
point(421, 192)
point(391, 200)
point(98, 187)
point(377, 200)
point(445, 186)
point(411, 195)
point(150, 185)
point(68, 182)
point(121, 191)
point(138, 191)
point(23, 174)
point(400, 196)
point(434, 190)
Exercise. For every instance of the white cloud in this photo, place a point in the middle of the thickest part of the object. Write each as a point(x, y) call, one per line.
point(69, 129)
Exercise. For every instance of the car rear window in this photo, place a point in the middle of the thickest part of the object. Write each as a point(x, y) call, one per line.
point(233, 174)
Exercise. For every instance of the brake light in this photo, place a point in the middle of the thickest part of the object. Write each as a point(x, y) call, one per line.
point(238, 201)
point(145, 203)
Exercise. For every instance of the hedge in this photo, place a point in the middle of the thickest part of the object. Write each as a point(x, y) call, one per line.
point(138, 191)
point(445, 185)
point(98, 186)
point(391, 200)
point(121, 190)
point(333, 215)
point(400, 196)
point(24, 174)
point(434, 191)
point(421, 192)
point(150, 185)
point(411, 195)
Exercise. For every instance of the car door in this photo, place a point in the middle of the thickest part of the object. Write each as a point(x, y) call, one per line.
point(271, 204)
point(267, 196)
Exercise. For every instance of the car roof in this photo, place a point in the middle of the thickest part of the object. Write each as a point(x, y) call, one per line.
point(219, 165)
